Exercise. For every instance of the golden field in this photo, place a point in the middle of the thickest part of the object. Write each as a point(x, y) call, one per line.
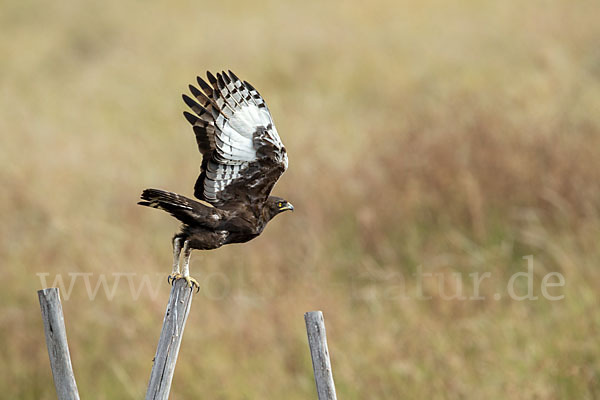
point(443, 138)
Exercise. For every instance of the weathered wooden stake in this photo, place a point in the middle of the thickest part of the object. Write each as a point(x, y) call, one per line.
point(317, 341)
point(58, 348)
point(165, 359)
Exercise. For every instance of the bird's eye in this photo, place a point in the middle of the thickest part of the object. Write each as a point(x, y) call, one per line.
point(280, 204)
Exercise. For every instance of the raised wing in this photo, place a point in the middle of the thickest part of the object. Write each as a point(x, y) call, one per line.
point(243, 156)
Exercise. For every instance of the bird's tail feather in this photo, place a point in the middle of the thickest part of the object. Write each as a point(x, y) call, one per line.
point(163, 200)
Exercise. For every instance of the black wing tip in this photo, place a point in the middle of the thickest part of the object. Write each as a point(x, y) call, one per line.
point(203, 85)
point(193, 90)
point(249, 85)
point(220, 81)
point(191, 103)
point(232, 75)
point(226, 77)
point(187, 100)
point(192, 119)
point(211, 77)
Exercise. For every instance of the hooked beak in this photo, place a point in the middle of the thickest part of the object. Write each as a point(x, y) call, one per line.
point(288, 206)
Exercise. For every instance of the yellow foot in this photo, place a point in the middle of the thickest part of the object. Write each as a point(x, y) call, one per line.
point(173, 277)
point(191, 282)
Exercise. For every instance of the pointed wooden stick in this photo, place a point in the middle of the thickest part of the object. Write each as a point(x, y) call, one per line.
point(317, 341)
point(56, 341)
point(165, 359)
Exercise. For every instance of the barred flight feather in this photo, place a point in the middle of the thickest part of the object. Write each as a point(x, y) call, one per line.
point(234, 130)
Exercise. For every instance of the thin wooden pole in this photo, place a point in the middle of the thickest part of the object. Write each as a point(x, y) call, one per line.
point(317, 341)
point(165, 359)
point(56, 341)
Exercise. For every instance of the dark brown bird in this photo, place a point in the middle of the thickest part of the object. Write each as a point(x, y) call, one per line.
point(242, 159)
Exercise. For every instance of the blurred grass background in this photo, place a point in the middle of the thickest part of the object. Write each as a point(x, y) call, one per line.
point(455, 136)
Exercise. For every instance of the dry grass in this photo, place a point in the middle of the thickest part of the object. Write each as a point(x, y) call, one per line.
point(456, 137)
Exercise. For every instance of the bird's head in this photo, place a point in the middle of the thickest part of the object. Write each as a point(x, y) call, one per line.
point(278, 205)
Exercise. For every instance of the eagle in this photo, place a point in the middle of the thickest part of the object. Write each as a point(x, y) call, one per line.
point(242, 159)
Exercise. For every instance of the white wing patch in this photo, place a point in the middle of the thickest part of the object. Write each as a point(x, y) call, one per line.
point(235, 146)
point(234, 136)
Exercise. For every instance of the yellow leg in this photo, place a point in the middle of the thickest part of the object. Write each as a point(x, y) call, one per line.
point(185, 274)
point(176, 253)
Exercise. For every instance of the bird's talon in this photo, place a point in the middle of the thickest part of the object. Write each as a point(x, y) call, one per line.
point(173, 277)
point(191, 282)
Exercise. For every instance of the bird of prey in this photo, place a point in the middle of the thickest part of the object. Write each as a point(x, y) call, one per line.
point(242, 159)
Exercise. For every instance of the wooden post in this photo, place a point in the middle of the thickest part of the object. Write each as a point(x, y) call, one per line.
point(317, 341)
point(178, 308)
point(56, 341)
